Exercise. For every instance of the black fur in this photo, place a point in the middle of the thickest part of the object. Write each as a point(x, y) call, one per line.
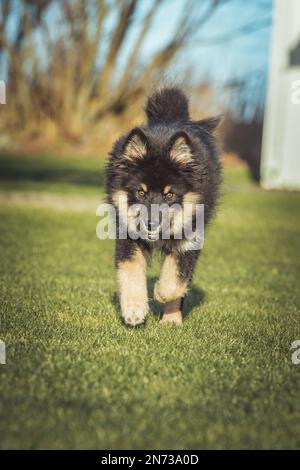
point(167, 106)
point(168, 118)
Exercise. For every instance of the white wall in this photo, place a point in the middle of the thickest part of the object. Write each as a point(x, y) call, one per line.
point(280, 167)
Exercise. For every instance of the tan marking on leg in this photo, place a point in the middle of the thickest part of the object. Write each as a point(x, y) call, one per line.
point(169, 286)
point(172, 313)
point(133, 288)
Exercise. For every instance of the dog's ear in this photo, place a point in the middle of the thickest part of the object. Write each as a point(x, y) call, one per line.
point(135, 147)
point(180, 150)
point(210, 124)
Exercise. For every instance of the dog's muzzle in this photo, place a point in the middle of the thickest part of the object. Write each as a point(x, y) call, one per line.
point(152, 230)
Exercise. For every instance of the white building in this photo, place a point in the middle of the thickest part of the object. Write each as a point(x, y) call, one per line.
point(280, 166)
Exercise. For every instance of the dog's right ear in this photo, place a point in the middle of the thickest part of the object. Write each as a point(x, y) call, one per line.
point(135, 147)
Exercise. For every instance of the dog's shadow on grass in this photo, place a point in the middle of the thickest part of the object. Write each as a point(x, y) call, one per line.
point(194, 298)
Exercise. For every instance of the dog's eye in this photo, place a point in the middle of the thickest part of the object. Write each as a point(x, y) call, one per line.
point(169, 196)
point(141, 193)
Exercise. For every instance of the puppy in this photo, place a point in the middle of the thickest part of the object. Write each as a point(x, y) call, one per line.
point(172, 164)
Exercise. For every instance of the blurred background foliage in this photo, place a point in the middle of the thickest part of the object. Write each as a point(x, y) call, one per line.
point(77, 71)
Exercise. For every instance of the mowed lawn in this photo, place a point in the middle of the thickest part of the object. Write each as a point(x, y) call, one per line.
point(76, 377)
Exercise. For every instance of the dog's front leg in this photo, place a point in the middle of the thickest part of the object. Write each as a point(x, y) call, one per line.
point(173, 312)
point(175, 277)
point(131, 267)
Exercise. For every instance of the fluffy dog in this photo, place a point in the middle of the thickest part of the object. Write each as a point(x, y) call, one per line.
point(170, 162)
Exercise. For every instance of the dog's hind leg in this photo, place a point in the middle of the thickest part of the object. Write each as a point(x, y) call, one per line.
point(131, 265)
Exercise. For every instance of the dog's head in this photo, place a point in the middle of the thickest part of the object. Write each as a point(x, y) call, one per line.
point(158, 175)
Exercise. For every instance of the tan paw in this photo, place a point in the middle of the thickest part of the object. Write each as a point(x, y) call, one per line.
point(134, 313)
point(174, 318)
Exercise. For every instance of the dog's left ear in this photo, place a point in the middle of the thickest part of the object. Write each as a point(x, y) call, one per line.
point(210, 124)
point(135, 147)
point(180, 150)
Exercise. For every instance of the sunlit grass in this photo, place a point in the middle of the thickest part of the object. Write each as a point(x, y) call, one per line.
point(76, 377)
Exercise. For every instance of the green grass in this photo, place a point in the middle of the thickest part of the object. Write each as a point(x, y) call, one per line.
point(42, 173)
point(76, 377)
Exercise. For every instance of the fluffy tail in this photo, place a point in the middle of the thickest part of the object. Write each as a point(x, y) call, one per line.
point(167, 105)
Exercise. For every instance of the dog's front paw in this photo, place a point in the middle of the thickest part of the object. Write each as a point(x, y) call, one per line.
point(134, 313)
point(164, 292)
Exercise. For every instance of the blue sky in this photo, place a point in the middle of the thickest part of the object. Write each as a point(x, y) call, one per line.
point(246, 56)
point(243, 55)
point(239, 57)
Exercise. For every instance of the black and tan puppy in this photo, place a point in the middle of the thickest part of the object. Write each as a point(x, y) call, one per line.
point(170, 162)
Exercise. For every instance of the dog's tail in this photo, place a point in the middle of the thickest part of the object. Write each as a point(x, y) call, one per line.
point(166, 106)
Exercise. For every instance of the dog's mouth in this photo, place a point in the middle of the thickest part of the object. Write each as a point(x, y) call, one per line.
point(160, 226)
point(152, 231)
